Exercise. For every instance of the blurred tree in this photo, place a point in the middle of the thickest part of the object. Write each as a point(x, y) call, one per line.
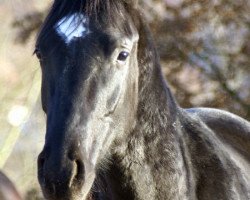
point(28, 24)
point(204, 46)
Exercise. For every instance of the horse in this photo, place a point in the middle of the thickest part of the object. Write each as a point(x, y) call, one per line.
point(7, 189)
point(114, 130)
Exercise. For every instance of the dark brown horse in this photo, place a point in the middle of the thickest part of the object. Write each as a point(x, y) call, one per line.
point(7, 189)
point(114, 130)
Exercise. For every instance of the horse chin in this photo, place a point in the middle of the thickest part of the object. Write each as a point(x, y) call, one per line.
point(74, 192)
point(85, 192)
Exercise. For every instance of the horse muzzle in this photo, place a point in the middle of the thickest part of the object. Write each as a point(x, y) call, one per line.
point(62, 176)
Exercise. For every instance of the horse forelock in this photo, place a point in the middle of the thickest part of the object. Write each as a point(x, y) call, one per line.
point(62, 10)
point(92, 7)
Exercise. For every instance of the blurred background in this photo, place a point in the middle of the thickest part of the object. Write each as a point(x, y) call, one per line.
point(204, 47)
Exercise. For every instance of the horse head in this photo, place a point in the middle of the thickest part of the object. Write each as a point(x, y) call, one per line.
point(88, 56)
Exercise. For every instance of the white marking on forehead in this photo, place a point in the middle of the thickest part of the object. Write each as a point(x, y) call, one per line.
point(73, 26)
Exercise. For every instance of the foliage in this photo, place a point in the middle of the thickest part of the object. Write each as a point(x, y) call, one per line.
point(205, 48)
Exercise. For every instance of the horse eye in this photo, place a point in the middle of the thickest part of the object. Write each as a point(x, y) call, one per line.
point(38, 54)
point(123, 56)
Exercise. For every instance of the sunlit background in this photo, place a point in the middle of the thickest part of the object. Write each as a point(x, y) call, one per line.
point(204, 48)
point(22, 121)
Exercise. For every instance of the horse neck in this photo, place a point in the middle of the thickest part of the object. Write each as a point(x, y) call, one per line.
point(149, 162)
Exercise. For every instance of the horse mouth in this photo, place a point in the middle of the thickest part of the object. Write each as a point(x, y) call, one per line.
point(70, 181)
point(67, 194)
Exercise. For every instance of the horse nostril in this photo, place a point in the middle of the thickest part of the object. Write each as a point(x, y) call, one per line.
point(80, 170)
point(40, 162)
point(40, 167)
point(78, 173)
